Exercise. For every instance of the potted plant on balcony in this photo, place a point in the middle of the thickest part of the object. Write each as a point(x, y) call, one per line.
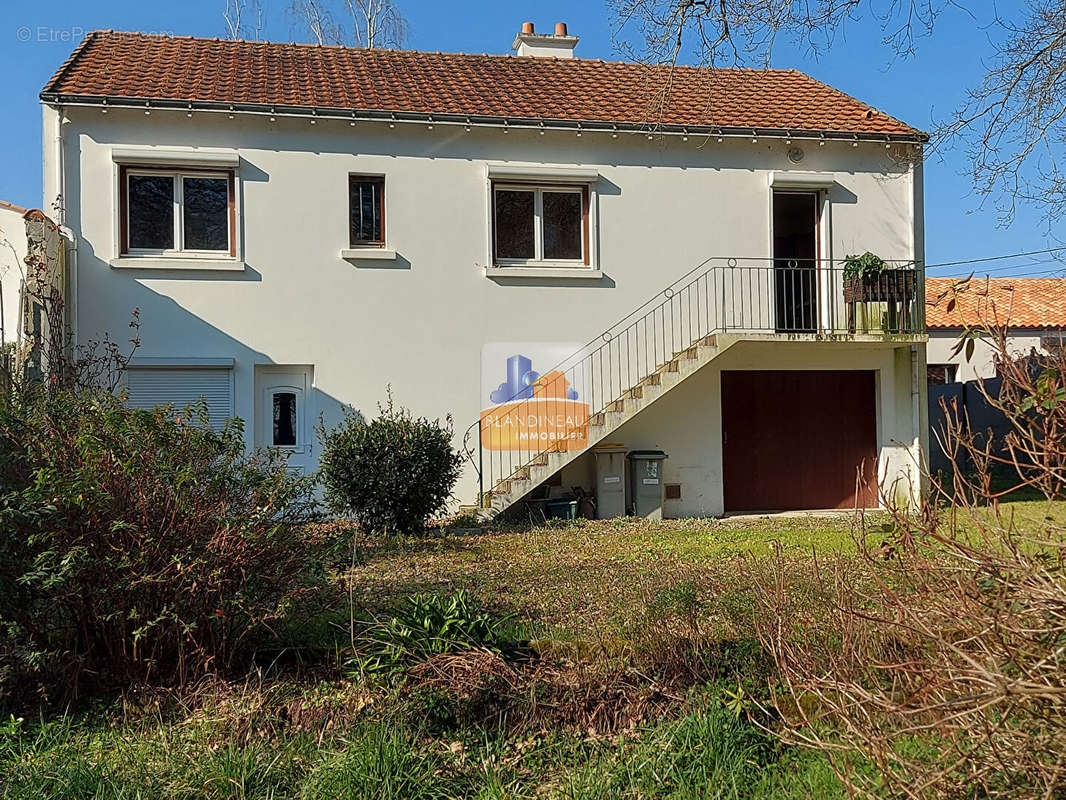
point(869, 280)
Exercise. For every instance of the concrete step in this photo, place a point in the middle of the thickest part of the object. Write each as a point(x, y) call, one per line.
point(542, 466)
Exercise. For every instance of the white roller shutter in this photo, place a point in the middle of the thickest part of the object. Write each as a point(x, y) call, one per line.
point(148, 388)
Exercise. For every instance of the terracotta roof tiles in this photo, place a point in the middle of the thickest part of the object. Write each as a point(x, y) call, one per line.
point(147, 67)
point(1017, 302)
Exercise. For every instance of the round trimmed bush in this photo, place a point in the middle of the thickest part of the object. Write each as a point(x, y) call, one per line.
point(390, 474)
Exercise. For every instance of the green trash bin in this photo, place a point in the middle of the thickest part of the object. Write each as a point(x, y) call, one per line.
point(646, 483)
point(561, 509)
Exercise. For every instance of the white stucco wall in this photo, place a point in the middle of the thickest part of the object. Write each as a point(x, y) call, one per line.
point(687, 422)
point(981, 365)
point(12, 268)
point(419, 323)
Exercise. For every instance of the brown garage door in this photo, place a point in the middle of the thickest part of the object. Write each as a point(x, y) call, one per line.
point(797, 439)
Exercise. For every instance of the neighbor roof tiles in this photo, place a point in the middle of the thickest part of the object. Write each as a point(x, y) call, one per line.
point(146, 67)
point(1017, 302)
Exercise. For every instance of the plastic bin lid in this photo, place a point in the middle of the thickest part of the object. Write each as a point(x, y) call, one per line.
point(648, 454)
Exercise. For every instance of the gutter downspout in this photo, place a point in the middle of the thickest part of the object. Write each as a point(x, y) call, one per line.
point(59, 205)
point(70, 239)
point(916, 442)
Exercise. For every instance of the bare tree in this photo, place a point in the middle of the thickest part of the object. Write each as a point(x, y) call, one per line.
point(317, 17)
point(1012, 124)
point(745, 31)
point(244, 19)
point(355, 23)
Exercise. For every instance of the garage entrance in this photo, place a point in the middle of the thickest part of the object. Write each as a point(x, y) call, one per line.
point(795, 440)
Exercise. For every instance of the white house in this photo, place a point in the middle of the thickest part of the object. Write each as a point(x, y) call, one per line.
point(559, 252)
point(32, 275)
point(12, 269)
point(1031, 310)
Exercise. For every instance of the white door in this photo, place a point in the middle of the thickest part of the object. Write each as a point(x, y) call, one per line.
point(282, 418)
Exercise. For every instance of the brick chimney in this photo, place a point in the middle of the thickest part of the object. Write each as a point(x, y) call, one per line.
point(544, 45)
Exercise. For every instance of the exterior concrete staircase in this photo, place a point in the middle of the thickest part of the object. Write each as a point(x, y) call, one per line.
point(542, 466)
point(675, 334)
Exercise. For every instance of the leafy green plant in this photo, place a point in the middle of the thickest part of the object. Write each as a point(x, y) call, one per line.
point(138, 545)
point(391, 474)
point(430, 624)
point(861, 266)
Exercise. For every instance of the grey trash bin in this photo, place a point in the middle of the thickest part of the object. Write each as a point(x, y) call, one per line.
point(646, 483)
point(610, 481)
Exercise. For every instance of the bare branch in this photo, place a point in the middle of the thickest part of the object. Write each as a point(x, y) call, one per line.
point(354, 23)
point(237, 26)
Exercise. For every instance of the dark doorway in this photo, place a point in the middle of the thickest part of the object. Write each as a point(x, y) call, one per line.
point(795, 261)
point(799, 440)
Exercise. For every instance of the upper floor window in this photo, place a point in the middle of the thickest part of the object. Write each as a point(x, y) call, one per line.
point(168, 211)
point(366, 210)
point(542, 224)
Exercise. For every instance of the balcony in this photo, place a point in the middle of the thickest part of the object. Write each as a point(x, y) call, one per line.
point(674, 335)
point(796, 298)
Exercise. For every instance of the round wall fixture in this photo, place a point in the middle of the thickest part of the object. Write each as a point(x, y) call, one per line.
point(795, 155)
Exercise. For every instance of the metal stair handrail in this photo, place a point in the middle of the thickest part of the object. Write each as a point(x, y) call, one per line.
point(717, 295)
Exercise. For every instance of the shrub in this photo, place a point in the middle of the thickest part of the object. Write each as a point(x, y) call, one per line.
point(390, 474)
point(938, 656)
point(135, 546)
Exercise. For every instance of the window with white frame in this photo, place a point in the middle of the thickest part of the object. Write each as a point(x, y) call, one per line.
point(540, 224)
point(177, 211)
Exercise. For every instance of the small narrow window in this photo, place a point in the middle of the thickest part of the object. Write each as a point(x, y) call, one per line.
point(284, 419)
point(540, 224)
point(177, 211)
point(366, 209)
point(941, 374)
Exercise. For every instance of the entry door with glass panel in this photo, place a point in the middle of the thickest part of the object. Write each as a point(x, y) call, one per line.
point(795, 221)
point(282, 414)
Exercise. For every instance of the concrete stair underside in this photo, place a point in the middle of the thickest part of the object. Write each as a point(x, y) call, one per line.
point(506, 493)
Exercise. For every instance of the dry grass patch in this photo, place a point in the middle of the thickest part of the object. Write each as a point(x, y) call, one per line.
point(586, 579)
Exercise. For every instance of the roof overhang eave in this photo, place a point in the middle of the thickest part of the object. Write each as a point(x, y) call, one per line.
point(485, 121)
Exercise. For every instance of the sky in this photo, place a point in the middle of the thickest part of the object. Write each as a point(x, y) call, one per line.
point(35, 38)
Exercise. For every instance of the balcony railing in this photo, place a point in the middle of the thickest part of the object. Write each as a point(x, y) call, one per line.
point(789, 298)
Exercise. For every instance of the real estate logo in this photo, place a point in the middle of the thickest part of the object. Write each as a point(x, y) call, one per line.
point(528, 410)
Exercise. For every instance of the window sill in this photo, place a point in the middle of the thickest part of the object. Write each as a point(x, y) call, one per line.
point(368, 254)
point(178, 263)
point(574, 273)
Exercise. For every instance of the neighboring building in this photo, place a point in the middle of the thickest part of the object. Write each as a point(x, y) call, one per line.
point(302, 227)
point(1033, 311)
point(32, 277)
point(12, 269)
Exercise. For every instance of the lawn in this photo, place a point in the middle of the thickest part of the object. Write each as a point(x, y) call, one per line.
point(607, 702)
point(582, 577)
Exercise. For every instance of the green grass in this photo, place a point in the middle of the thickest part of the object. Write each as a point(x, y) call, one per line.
point(708, 753)
point(581, 589)
point(585, 577)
